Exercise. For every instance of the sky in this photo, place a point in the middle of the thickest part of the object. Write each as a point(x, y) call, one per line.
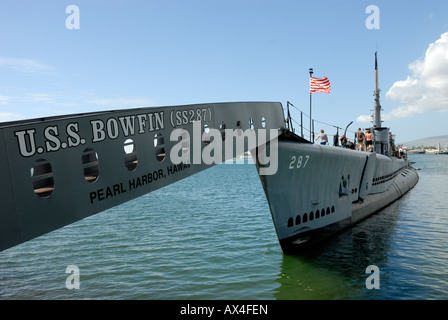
point(114, 54)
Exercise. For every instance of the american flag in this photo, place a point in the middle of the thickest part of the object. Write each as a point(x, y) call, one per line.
point(319, 85)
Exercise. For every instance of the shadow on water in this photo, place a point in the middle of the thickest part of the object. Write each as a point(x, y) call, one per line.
point(336, 269)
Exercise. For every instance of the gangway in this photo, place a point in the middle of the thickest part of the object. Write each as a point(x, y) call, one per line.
point(57, 170)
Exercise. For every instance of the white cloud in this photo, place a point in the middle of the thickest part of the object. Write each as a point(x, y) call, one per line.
point(427, 88)
point(10, 116)
point(24, 65)
point(41, 97)
point(364, 118)
point(4, 99)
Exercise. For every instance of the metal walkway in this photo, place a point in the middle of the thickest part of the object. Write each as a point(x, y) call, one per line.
point(55, 171)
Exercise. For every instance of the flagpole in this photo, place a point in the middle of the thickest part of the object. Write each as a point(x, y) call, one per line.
point(311, 74)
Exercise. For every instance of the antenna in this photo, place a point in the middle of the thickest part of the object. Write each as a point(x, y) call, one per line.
point(377, 106)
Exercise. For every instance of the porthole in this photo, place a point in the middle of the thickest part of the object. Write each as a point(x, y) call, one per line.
point(263, 122)
point(206, 135)
point(239, 128)
point(290, 222)
point(159, 145)
point(328, 210)
point(332, 209)
point(322, 212)
point(90, 165)
point(311, 216)
point(317, 214)
point(298, 219)
point(222, 129)
point(130, 155)
point(42, 177)
point(251, 124)
point(305, 218)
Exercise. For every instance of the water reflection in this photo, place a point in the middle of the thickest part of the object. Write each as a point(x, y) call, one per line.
point(336, 268)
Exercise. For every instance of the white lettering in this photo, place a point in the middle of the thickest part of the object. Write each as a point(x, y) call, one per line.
point(24, 142)
point(197, 310)
point(73, 137)
point(97, 130)
point(72, 281)
point(373, 280)
point(156, 121)
point(112, 128)
point(180, 147)
point(128, 126)
point(212, 153)
point(263, 159)
point(301, 162)
point(215, 147)
point(72, 21)
point(240, 136)
point(53, 143)
point(373, 21)
point(196, 142)
point(159, 121)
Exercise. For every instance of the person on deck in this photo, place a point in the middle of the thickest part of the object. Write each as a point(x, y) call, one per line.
point(369, 137)
point(323, 138)
point(360, 138)
point(343, 141)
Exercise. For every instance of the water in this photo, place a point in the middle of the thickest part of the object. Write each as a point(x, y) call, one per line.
point(211, 237)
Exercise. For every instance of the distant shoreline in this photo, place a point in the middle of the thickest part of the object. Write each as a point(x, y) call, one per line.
point(426, 143)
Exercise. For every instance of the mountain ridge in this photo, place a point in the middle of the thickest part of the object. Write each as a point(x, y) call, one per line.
point(427, 142)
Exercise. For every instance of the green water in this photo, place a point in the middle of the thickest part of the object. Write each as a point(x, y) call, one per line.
point(211, 237)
